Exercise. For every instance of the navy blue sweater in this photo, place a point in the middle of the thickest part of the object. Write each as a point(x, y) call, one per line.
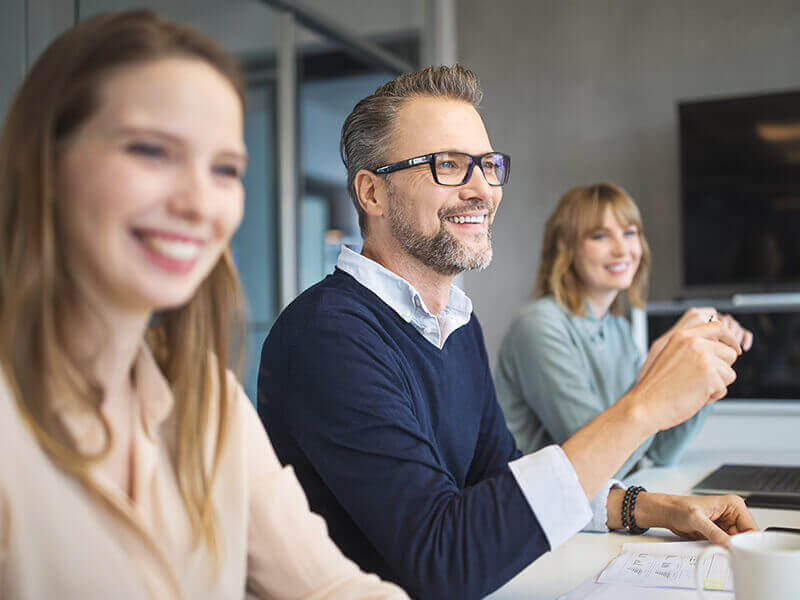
point(398, 444)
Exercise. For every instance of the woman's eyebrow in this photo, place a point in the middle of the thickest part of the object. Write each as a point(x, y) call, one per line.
point(175, 139)
point(136, 130)
point(237, 156)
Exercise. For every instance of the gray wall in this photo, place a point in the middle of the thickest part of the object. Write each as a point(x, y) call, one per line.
point(583, 91)
point(12, 50)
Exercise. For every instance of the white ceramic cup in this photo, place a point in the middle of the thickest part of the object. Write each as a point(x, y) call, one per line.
point(765, 565)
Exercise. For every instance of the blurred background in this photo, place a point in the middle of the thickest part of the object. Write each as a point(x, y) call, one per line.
point(692, 106)
point(306, 64)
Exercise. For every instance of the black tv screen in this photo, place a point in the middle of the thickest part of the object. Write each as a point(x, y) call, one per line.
point(740, 185)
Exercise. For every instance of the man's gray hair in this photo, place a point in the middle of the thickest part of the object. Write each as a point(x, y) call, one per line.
point(367, 131)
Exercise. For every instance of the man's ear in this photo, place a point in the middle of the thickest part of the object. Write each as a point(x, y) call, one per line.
point(371, 191)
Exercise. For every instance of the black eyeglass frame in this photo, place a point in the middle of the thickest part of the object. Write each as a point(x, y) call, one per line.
point(430, 160)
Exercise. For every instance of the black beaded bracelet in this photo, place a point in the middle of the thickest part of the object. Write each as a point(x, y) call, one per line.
point(628, 506)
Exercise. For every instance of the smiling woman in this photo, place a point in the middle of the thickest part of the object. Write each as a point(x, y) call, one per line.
point(570, 354)
point(139, 467)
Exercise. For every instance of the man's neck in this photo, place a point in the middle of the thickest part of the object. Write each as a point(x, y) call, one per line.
point(432, 286)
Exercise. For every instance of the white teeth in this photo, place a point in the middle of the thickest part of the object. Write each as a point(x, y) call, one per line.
point(175, 249)
point(617, 268)
point(469, 219)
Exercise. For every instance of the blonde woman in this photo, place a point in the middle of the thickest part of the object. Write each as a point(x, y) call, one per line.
point(133, 465)
point(570, 354)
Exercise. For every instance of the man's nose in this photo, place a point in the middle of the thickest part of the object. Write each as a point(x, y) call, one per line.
point(478, 185)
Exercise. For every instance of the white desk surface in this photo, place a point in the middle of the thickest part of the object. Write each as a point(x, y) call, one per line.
point(586, 554)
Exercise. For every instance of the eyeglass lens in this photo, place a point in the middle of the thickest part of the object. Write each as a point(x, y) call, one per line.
point(451, 168)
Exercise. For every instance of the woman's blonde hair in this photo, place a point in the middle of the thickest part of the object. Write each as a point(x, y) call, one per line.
point(59, 94)
point(579, 212)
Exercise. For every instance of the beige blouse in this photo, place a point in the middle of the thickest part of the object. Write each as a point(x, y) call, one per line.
point(57, 541)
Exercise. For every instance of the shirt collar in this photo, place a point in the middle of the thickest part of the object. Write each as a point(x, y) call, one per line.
point(154, 396)
point(595, 326)
point(403, 298)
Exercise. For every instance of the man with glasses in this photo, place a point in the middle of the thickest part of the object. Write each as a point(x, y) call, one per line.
point(375, 384)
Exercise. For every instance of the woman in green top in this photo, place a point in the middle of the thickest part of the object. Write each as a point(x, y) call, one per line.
point(570, 354)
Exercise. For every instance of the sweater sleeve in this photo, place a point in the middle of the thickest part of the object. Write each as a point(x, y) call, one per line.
point(353, 417)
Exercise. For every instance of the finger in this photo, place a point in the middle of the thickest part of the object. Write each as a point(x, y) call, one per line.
point(744, 518)
point(698, 316)
point(708, 529)
point(720, 351)
point(718, 387)
point(726, 374)
point(747, 340)
point(718, 332)
point(733, 326)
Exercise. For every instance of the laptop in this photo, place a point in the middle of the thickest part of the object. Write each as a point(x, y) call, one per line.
point(760, 485)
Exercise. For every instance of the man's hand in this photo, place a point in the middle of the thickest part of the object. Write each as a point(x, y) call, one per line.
point(714, 518)
point(693, 369)
point(692, 318)
point(745, 336)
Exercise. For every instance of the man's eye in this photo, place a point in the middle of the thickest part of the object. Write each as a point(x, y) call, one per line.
point(227, 171)
point(148, 150)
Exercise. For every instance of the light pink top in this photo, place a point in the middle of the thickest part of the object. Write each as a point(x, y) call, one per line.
point(57, 541)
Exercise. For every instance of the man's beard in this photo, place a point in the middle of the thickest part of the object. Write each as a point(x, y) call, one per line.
point(442, 251)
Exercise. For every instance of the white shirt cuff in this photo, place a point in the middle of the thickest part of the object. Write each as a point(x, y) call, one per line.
point(550, 485)
point(599, 507)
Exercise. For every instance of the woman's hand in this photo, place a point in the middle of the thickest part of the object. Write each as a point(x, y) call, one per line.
point(714, 518)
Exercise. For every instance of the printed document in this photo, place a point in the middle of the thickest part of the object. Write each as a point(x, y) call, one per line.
point(667, 565)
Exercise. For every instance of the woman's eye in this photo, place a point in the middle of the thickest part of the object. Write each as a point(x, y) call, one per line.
point(598, 236)
point(148, 150)
point(447, 164)
point(227, 171)
point(630, 232)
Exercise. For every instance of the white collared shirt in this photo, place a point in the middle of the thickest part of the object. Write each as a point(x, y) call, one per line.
point(59, 540)
point(405, 300)
point(546, 477)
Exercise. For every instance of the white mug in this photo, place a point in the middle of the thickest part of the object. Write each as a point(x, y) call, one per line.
point(765, 565)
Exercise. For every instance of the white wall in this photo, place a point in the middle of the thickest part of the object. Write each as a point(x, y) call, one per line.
point(583, 91)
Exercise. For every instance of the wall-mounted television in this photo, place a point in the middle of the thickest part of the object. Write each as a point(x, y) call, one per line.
point(740, 187)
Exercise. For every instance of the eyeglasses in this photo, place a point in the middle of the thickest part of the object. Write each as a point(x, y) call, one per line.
point(455, 168)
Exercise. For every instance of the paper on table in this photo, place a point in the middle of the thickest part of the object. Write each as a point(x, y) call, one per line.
point(589, 590)
point(671, 565)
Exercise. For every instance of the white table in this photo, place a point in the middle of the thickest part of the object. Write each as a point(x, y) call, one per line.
point(586, 554)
